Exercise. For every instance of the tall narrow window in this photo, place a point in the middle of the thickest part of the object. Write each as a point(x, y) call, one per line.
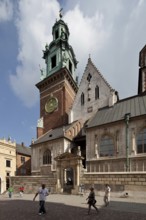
point(70, 66)
point(22, 160)
point(47, 157)
point(53, 61)
point(8, 163)
point(141, 142)
point(106, 147)
point(96, 92)
point(89, 77)
point(82, 99)
point(56, 34)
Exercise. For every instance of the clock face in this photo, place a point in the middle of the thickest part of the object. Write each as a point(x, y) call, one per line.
point(51, 105)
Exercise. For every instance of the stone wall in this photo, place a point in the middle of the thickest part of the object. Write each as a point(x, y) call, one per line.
point(133, 183)
point(32, 183)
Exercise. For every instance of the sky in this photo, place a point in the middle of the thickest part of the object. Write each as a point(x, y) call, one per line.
point(112, 32)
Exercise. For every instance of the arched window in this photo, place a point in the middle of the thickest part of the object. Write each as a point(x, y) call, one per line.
point(82, 98)
point(141, 142)
point(106, 147)
point(47, 157)
point(96, 92)
point(89, 77)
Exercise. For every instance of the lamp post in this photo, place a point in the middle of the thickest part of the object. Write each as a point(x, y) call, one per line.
point(127, 117)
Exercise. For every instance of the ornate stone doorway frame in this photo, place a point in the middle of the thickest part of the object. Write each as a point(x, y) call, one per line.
point(64, 162)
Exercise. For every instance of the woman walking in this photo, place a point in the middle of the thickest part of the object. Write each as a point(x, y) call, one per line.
point(91, 200)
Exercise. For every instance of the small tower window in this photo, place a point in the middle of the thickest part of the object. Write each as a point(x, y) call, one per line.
point(89, 77)
point(82, 98)
point(96, 92)
point(70, 66)
point(53, 61)
point(56, 34)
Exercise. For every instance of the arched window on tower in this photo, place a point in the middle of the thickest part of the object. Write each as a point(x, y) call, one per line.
point(47, 157)
point(82, 99)
point(96, 92)
point(141, 142)
point(56, 34)
point(106, 147)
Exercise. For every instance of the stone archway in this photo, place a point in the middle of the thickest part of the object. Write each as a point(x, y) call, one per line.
point(68, 172)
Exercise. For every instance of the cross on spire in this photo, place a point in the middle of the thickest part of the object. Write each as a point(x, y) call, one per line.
point(60, 13)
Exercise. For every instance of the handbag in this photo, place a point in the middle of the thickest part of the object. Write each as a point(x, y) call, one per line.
point(94, 201)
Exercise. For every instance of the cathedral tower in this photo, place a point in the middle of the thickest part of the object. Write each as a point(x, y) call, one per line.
point(58, 85)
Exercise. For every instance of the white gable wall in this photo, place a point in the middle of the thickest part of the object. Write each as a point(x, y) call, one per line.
point(85, 111)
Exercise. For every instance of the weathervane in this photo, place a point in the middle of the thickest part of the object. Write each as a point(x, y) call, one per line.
point(60, 13)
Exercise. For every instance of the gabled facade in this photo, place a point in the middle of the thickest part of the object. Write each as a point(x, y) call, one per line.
point(94, 92)
point(7, 163)
point(23, 160)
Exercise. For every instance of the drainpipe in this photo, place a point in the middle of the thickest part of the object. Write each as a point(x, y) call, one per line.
point(127, 117)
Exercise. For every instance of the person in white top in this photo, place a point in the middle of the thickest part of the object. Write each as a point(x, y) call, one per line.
point(107, 195)
point(43, 192)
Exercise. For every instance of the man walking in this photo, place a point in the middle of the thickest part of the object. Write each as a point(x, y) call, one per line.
point(43, 192)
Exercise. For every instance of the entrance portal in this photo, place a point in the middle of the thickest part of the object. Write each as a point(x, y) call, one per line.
point(68, 172)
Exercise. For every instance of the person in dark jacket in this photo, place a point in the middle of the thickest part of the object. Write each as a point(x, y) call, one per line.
point(92, 201)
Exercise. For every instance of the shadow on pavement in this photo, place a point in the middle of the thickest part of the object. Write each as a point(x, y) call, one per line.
point(28, 210)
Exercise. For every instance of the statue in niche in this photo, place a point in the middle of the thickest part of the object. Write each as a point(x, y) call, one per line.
point(40, 123)
point(47, 47)
point(63, 34)
point(64, 59)
point(43, 73)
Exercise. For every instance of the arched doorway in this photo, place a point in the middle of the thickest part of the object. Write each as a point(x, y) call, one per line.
point(68, 180)
point(7, 182)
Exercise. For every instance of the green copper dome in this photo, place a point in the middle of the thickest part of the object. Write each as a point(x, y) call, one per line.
point(59, 54)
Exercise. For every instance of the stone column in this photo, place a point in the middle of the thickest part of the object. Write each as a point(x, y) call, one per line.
point(117, 142)
point(133, 149)
point(58, 178)
point(96, 151)
point(78, 173)
point(65, 179)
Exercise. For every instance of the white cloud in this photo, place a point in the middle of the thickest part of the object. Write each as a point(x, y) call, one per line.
point(113, 32)
point(87, 34)
point(6, 10)
point(34, 25)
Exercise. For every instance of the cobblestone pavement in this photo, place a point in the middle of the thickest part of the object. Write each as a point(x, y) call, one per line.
point(62, 207)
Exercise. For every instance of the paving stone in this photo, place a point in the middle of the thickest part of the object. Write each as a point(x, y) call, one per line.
point(72, 207)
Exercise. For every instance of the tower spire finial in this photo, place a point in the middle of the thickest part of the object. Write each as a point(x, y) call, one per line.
point(60, 13)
